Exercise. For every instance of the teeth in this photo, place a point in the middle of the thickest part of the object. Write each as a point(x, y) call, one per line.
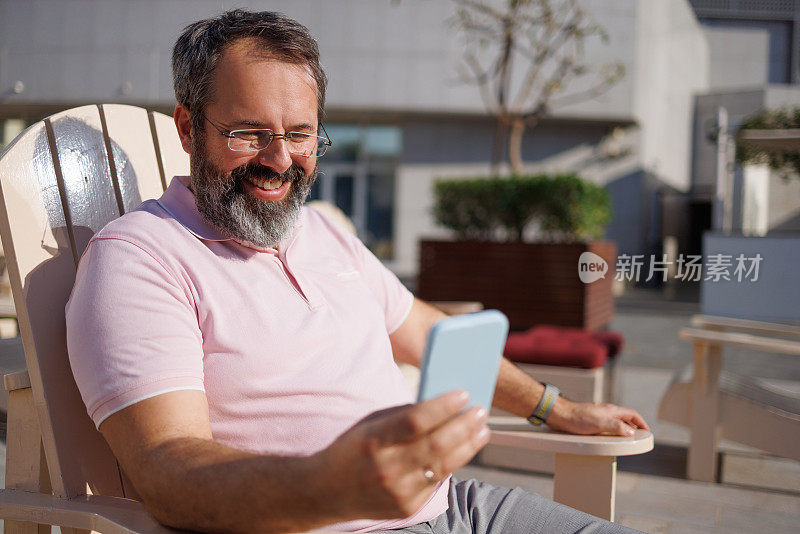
point(265, 183)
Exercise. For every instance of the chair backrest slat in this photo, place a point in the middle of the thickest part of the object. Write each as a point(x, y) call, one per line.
point(91, 197)
point(175, 160)
point(59, 186)
point(112, 165)
point(137, 165)
point(151, 119)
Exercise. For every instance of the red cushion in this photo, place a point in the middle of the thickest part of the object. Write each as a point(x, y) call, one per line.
point(556, 345)
point(612, 339)
point(548, 348)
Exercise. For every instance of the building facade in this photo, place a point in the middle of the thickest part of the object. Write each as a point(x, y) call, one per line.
point(754, 64)
point(397, 115)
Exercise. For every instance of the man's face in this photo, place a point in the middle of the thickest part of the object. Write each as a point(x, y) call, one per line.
point(254, 196)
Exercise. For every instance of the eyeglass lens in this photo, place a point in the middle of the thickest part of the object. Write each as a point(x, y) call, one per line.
point(299, 143)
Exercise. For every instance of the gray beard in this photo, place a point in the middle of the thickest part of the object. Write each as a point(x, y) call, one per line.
point(224, 203)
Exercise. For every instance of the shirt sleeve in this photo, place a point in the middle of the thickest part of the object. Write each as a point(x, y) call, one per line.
point(132, 330)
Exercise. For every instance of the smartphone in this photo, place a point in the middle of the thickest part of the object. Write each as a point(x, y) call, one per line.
point(463, 352)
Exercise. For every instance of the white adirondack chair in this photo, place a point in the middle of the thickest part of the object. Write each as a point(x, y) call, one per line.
point(61, 180)
point(714, 404)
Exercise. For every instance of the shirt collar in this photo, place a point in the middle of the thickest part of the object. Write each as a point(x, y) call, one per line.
point(180, 203)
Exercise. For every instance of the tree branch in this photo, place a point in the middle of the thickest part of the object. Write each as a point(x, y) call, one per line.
point(600, 88)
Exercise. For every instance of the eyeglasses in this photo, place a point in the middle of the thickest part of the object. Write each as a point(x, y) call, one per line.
point(253, 140)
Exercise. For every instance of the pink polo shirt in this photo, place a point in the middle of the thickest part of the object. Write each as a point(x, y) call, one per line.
point(291, 346)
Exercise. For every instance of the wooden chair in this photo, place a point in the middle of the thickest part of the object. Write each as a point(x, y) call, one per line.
point(714, 404)
point(61, 180)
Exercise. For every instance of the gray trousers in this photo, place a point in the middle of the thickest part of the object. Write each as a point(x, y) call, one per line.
point(477, 507)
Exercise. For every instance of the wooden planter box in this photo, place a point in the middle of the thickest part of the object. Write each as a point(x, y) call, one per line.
point(532, 283)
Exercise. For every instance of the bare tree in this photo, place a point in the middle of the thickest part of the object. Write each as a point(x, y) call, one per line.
point(543, 38)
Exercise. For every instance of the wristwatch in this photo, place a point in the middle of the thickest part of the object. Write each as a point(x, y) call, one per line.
point(545, 406)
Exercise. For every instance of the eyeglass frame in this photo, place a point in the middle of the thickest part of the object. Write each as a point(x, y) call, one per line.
point(327, 142)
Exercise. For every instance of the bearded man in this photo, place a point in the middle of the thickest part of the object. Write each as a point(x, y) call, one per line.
point(236, 349)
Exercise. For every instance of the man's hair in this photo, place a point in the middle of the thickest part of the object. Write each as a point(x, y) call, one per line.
point(201, 44)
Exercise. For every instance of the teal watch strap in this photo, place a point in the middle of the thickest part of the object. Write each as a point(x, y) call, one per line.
point(545, 406)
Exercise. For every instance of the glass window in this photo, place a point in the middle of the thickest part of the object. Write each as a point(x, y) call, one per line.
point(382, 142)
point(380, 214)
point(358, 175)
point(344, 194)
point(346, 142)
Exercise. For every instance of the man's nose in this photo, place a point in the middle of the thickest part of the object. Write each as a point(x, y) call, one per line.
point(276, 156)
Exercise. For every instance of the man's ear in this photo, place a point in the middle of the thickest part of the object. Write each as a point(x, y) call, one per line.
point(183, 122)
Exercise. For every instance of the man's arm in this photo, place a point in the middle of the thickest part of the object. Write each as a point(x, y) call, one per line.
point(374, 470)
point(516, 392)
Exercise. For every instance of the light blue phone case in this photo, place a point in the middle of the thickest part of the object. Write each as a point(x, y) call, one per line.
point(463, 352)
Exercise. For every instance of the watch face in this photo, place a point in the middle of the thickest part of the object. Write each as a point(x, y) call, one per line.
point(535, 420)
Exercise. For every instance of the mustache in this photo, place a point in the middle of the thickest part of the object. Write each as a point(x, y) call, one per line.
point(255, 170)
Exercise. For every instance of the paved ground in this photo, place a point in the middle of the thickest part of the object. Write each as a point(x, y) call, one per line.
point(653, 494)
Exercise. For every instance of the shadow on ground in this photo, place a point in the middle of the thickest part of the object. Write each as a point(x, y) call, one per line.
point(663, 461)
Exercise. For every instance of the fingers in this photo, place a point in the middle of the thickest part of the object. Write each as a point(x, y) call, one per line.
point(622, 429)
point(639, 421)
point(407, 423)
point(631, 417)
point(628, 421)
point(399, 469)
point(589, 418)
point(433, 457)
point(453, 444)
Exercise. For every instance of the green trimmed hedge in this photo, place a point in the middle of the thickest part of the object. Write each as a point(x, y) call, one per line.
point(565, 207)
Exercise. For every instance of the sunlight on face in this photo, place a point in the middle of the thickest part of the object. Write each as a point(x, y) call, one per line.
point(254, 196)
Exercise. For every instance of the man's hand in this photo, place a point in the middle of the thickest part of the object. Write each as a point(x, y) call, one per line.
point(516, 392)
point(591, 418)
point(379, 464)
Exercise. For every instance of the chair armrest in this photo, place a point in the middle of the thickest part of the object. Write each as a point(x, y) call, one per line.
point(712, 322)
point(767, 344)
point(516, 432)
point(109, 515)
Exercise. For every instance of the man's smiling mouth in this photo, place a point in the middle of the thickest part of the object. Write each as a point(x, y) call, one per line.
point(267, 184)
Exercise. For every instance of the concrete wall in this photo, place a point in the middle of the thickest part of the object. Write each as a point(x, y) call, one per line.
point(390, 61)
point(738, 57)
point(378, 54)
point(783, 215)
point(772, 297)
point(672, 66)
